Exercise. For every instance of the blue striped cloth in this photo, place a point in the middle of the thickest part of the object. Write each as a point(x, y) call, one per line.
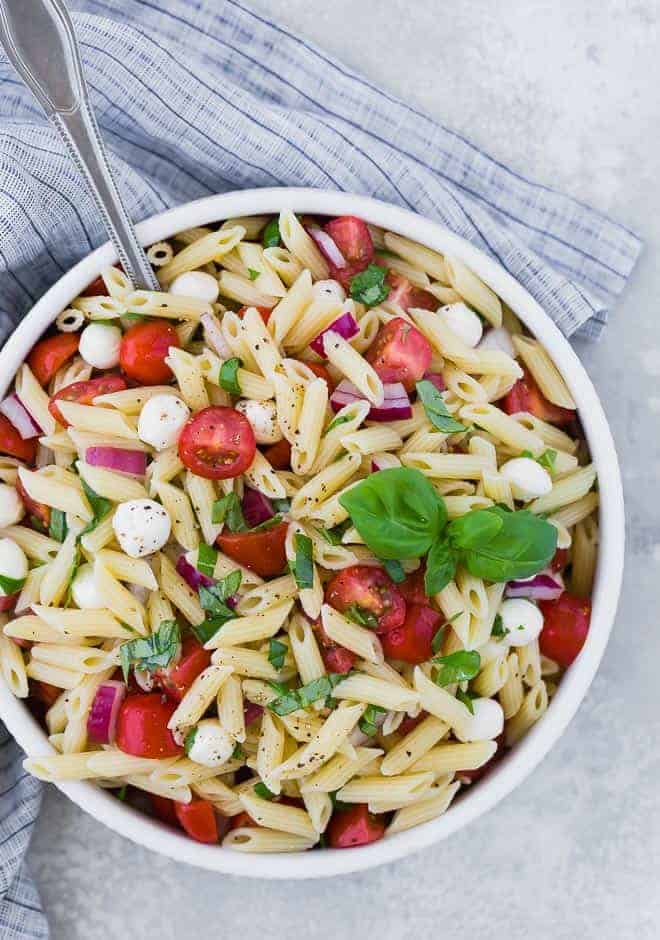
point(197, 97)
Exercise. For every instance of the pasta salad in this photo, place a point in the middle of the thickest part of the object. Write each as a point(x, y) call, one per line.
point(298, 546)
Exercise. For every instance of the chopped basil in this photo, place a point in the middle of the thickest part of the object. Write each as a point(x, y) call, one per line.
point(213, 598)
point(369, 287)
point(207, 629)
point(189, 739)
point(303, 570)
point(439, 636)
point(457, 667)
point(267, 524)
point(100, 507)
point(336, 534)
point(58, 527)
point(436, 409)
point(131, 317)
point(278, 687)
point(229, 376)
point(498, 630)
point(228, 509)
point(367, 724)
point(121, 793)
point(277, 653)
point(11, 585)
point(73, 570)
point(281, 505)
point(253, 275)
point(394, 569)
point(153, 652)
point(262, 790)
point(547, 458)
point(366, 618)
point(337, 422)
point(206, 559)
point(466, 699)
point(271, 236)
point(238, 753)
point(292, 700)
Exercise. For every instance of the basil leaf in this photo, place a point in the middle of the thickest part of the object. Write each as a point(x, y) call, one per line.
point(281, 505)
point(271, 236)
point(189, 739)
point(336, 534)
point(440, 567)
point(213, 598)
point(253, 274)
point(11, 585)
point(238, 753)
point(547, 459)
point(337, 422)
point(498, 630)
point(100, 507)
point(303, 570)
point(207, 629)
point(457, 667)
point(121, 792)
point(397, 512)
point(466, 699)
point(474, 529)
point(436, 409)
point(285, 704)
point(58, 527)
point(207, 556)
point(438, 638)
point(262, 790)
point(153, 652)
point(394, 569)
point(267, 524)
point(369, 287)
point(367, 724)
point(229, 375)
point(291, 701)
point(276, 653)
point(366, 618)
point(280, 687)
point(227, 509)
point(73, 570)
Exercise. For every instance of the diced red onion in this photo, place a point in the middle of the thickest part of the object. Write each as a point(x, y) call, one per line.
point(328, 246)
point(214, 337)
point(436, 379)
point(14, 409)
point(345, 394)
point(251, 712)
point(117, 458)
point(102, 718)
point(395, 407)
point(347, 327)
point(193, 578)
point(256, 507)
point(544, 586)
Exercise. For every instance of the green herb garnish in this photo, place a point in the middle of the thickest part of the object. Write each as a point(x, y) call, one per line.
point(229, 375)
point(228, 509)
point(189, 739)
point(466, 699)
point(366, 618)
point(292, 700)
point(394, 569)
point(58, 527)
point(11, 585)
point(547, 458)
point(367, 724)
point(457, 667)
point(498, 630)
point(207, 556)
point(303, 570)
point(369, 287)
point(100, 507)
point(153, 652)
point(277, 653)
point(436, 409)
point(335, 535)
point(253, 274)
point(262, 790)
point(337, 422)
point(271, 236)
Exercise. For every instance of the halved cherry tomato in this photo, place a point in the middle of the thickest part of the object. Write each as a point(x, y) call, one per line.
point(217, 443)
point(559, 560)
point(7, 601)
point(84, 393)
point(96, 289)
point(198, 820)
point(336, 658)
point(400, 353)
point(177, 679)
point(44, 692)
point(527, 396)
point(39, 510)
point(142, 726)
point(409, 724)
point(261, 551)
point(413, 589)
point(353, 239)
point(264, 311)
point(371, 589)
point(405, 295)
point(474, 775)
point(241, 820)
point(143, 351)
point(349, 828)
point(164, 809)
point(50, 354)
point(322, 373)
point(279, 455)
point(13, 444)
point(565, 627)
point(412, 641)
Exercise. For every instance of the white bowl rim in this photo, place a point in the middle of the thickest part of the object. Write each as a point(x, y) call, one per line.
point(531, 750)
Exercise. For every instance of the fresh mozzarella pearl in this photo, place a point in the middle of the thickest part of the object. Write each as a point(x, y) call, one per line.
point(486, 723)
point(462, 321)
point(85, 591)
point(99, 345)
point(329, 290)
point(142, 526)
point(499, 339)
point(13, 563)
point(196, 284)
point(522, 619)
point(262, 415)
point(528, 478)
point(161, 420)
point(212, 745)
point(12, 509)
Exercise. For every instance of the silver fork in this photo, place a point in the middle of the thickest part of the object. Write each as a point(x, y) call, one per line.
point(40, 41)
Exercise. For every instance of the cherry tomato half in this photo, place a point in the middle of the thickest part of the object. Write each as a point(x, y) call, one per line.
point(400, 353)
point(405, 295)
point(44, 692)
point(84, 393)
point(177, 679)
point(39, 510)
point(217, 443)
point(353, 239)
point(565, 627)
point(143, 351)
point(50, 354)
point(336, 658)
point(241, 820)
point(412, 641)
point(349, 828)
point(261, 551)
point(142, 726)
point(413, 589)
point(527, 396)
point(559, 559)
point(264, 311)
point(198, 820)
point(322, 373)
point(13, 444)
point(409, 724)
point(164, 809)
point(7, 602)
point(371, 589)
point(279, 455)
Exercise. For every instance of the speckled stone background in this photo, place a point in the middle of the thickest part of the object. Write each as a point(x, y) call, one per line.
point(566, 91)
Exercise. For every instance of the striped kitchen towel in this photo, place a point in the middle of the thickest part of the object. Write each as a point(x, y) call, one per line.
point(203, 96)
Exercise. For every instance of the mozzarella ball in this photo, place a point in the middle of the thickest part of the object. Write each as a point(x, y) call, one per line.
point(161, 420)
point(463, 322)
point(212, 745)
point(142, 526)
point(522, 619)
point(12, 509)
point(262, 415)
point(85, 591)
point(499, 339)
point(486, 723)
point(328, 290)
point(99, 345)
point(13, 563)
point(528, 478)
point(196, 284)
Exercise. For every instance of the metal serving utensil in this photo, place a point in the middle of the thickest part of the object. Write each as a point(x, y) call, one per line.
point(40, 41)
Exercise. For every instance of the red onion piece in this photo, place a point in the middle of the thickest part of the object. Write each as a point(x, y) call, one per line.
point(193, 578)
point(436, 379)
point(345, 394)
point(328, 246)
point(395, 407)
point(119, 459)
point(214, 337)
point(102, 718)
point(544, 586)
point(251, 712)
point(346, 325)
point(14, 409)
point(256, 507)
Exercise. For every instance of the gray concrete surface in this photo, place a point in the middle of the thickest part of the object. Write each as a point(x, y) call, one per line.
point(566, 91)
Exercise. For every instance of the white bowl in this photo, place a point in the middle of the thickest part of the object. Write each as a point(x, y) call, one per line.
point(528, 753)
